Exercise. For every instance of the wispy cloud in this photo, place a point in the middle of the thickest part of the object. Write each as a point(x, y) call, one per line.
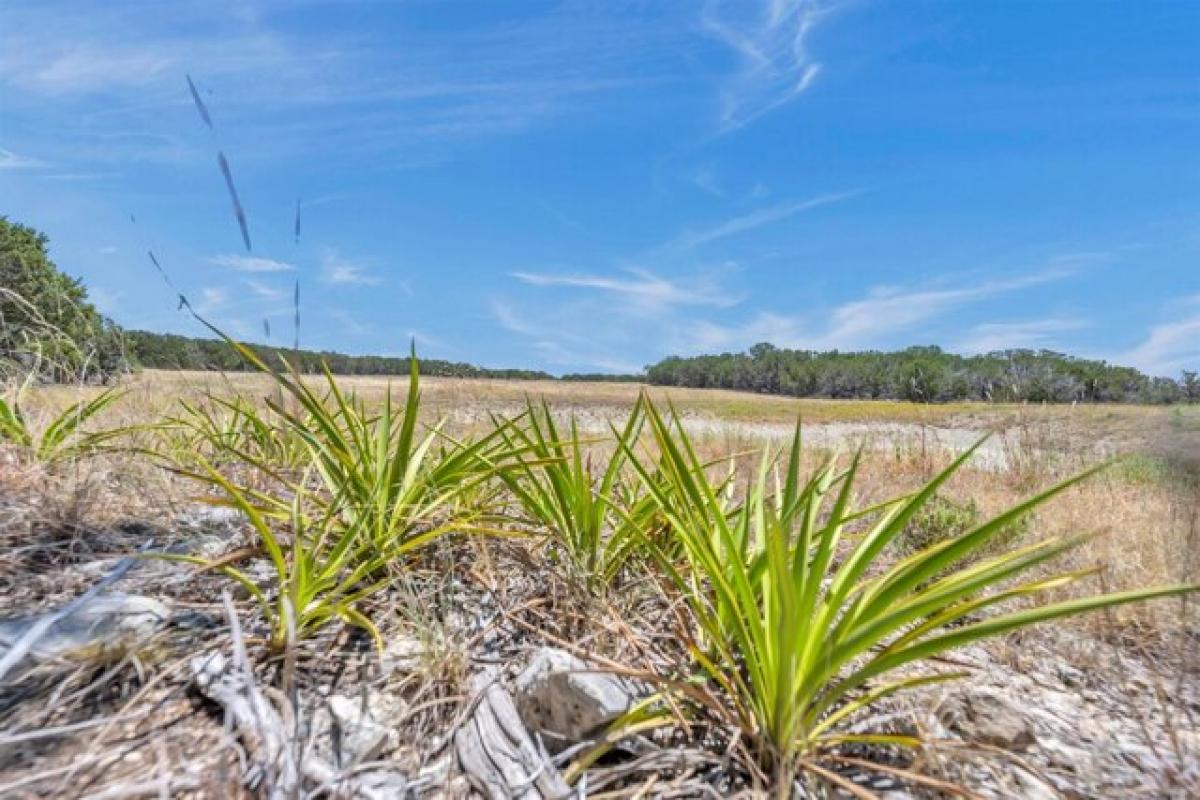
point(643, 289)
point(11, 160)
point(212, 298)
point(338, 270)
point(705, 336)
point(559, 344)
point(81, 176)
point(513, 321)
point(413, 91)
point(350, 323)
point(268, 292)
point(880, 318)
point(425, 343)
point(690, 239)
point(90, 66)
point(1035, 334)
point(1168, 347)
point(889, 309)
point(251, 263)
point(769, 40)
point(705, 179)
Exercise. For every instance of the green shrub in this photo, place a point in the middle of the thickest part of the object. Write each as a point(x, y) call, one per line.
point(938, 520)
point(47, 325)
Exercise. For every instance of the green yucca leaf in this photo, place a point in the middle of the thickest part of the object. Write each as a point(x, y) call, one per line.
point(794, 616)
point(357, 490)
point(319, 576)
point(63, 439)
point(13, 427)
point(581, 507)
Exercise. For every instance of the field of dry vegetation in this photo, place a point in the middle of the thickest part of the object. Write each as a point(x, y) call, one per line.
point(348, 595)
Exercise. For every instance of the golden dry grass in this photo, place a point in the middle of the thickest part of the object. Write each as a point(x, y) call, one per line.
point(1144, 512)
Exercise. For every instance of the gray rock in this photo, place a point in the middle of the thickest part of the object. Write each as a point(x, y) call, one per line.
point(990, 717)
point(110, 619)
point(565, 703)
point(207, 516)
point(355, 730)
point(401, 654)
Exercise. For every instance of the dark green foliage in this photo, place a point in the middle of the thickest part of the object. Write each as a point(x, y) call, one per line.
point(168, 351)
point(603, 377)
point(46, 321)
point(924, 374)
point(1189, 385)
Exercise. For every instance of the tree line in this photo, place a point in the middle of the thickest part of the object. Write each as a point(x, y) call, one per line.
point(48, 326)
point(169, 351)
point(924, 374)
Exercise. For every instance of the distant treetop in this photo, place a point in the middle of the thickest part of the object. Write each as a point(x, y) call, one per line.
point(924, 374)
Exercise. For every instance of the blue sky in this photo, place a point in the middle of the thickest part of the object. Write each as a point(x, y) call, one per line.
point(581, 186)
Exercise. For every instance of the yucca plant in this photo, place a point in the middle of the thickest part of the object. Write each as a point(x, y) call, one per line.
point(374, 473)
point(233, 429)
point(574, 497)
point(322, 570)
point(63, 439)
point(801, 617)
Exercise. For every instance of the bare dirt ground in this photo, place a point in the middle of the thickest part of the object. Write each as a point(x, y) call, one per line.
point(1100, 706)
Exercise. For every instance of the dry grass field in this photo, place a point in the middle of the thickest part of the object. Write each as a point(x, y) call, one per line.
point(1102, 704)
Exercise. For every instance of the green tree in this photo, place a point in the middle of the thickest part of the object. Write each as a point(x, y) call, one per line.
point(1189, 384)
point(46, 321)
point(924, 374)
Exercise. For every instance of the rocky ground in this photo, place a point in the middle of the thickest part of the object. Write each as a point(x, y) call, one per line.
point(494, 677)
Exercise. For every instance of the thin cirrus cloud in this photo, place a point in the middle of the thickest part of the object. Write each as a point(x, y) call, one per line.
point(693, 238)
point(92, 67)
point(770, 41)
point(887, 309)
point(556, 342)
point(338, 270)
point(269, 292)
point(212, 298)
point(643, 288)
point(881, 318)
point(473, 81)
point(11, 160)
point(886, 316)
point(242, 263)
point(1168, 347)
point(989, 337)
